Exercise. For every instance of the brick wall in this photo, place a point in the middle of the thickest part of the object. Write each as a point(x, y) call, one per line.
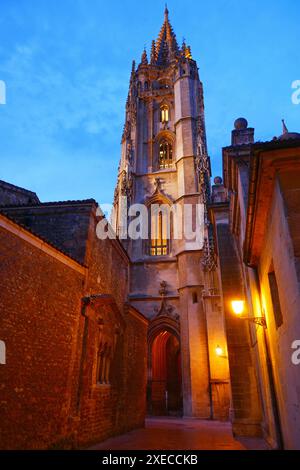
point(50, 397)
point(111, 409)
point(108, 266)
point(39, 304)
point(135, 352)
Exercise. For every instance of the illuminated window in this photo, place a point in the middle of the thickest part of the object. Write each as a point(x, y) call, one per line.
point(164, 113)
point(159, 233)
point(165, 154)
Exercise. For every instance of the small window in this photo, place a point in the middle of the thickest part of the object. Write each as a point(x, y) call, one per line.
point(275, 299)
point(165, 154)
point(164, 113)
point(195, 297)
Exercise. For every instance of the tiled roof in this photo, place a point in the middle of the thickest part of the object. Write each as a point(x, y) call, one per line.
point(276, 142)
point(53, 203)
point(16, 188)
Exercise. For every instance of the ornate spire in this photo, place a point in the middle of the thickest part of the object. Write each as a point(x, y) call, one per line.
point(144, 59)
point(166, 13)
point(153, 53)
point(166, 44)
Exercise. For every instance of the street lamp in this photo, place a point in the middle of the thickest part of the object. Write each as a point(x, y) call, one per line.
point(219, 351)
point(238, 307)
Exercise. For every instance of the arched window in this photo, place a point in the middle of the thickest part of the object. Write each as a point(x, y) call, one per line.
point(164, 113)
point(159, 236)
point(165, 154)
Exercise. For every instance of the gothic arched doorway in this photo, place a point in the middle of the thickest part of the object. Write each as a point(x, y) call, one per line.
point(164, 373)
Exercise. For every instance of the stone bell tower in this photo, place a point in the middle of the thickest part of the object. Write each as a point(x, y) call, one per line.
point(164, 161)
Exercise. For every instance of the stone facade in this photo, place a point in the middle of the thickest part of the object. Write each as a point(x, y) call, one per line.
point(257, 236)
point(164, 160)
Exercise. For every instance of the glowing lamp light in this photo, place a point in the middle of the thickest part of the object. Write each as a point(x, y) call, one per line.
point(238, 306)
point(219, 351)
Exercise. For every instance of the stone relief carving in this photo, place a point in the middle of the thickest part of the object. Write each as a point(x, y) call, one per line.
point(126, 184)
point(126, 130)
point(209, 261)
point(129, 152)
point(165, 308)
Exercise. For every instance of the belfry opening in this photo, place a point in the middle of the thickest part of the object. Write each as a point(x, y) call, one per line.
point(164, 375)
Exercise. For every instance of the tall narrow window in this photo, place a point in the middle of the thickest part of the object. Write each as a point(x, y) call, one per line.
point(164, 113)
point(275, 299)
point(159, 233)
point(165, 154)
point(103, 364)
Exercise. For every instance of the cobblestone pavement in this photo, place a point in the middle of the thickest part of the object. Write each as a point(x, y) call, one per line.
point(181, 434)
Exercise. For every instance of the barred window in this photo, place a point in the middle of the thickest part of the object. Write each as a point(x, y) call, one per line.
point(165, 154)
point(159, 234)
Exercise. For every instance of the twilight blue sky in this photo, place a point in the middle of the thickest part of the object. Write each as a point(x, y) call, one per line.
point(66, 64)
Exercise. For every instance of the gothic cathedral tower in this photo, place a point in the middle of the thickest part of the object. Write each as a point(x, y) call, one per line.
point(164, 161)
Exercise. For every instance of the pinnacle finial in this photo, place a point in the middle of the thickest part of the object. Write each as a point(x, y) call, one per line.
point(166, 12)
point(188, 53)
point(144, 59)
point(132, 69)
point(153, 53)
point(284, 128)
